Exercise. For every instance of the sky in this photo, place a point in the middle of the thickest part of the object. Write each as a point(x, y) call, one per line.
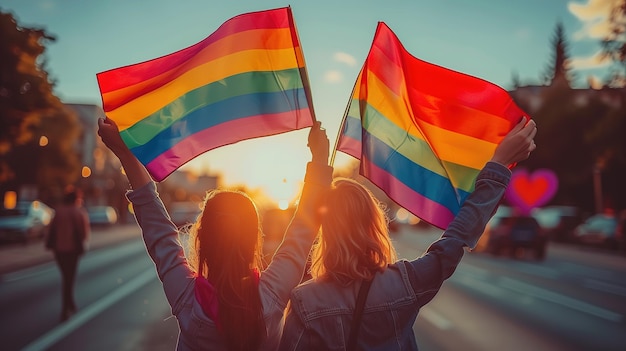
point(490, 39)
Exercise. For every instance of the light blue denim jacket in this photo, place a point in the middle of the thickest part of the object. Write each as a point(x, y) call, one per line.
point(321, 311)
point(197, 331)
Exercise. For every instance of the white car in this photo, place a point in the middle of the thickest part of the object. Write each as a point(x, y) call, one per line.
point(28, 220)
point(598, 230)
point(102, 215)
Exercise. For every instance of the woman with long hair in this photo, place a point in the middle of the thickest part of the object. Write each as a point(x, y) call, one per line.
point(219, 296)
point(354, 263)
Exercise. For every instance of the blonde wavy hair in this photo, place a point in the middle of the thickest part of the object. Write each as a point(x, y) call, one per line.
point(354, 241)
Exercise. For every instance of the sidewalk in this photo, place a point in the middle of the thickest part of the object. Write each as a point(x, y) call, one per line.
point(14, 257)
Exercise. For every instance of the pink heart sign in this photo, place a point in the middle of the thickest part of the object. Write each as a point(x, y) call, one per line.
point(527, 191)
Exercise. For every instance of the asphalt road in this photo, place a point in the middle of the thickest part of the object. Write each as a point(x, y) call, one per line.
point(574, 300)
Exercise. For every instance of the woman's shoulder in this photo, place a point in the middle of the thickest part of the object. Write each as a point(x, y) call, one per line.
point(393, 271)
point(317, 297)
point(318, 286)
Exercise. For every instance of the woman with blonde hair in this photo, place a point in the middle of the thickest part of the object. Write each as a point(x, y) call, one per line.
point(366, 249)
point(219, 296)
point(360, 296)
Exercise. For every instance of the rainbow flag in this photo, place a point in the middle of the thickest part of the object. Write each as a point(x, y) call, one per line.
point(421, 131)
point(246, 80)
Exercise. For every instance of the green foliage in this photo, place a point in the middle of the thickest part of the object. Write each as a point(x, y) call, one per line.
point(28, 110)
point(24, 87)
point(559, 70)
point(614, 45)
point(580, 131)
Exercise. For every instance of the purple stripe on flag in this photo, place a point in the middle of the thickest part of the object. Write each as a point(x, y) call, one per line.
point(431, 211)
point(350, 146)
point(224, 134)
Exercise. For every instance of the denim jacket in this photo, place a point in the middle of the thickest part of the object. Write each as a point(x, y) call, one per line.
point(320, 311)
point(197, 331)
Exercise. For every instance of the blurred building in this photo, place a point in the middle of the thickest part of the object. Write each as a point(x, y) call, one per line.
point(559, 77)
point(597, 110)
point(532, 97)
point(102, 177)
point(88, 142)
point(186, 186)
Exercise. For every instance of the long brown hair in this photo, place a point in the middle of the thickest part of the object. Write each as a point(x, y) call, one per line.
point(354, 241)
point(225, 248)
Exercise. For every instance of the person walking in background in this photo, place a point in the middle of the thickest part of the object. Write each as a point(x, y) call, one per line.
point(68, 237)
point(354, 263)
point(218, 295)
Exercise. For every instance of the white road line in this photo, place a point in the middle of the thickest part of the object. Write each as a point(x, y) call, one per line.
point(579, 269)
point(605, 287)
point(92, 257)
point(538, 271)
point(45, 268)
point(86, 314)
point(482, 286)
point(466, 269)
point(435, 318)
point(560, 299)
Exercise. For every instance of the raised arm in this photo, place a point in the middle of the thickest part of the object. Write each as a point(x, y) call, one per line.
point(287, 266)
point(159, 233)
point(428, 272)
point(135, 171)
point(517, 145)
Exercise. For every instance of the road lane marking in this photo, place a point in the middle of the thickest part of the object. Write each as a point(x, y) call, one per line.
point(86, 314)
point(467, 269)
point(92, 257)
point(482, 286)
point(560, 299)
point(26, 273)
point(579, 269)
point(605, 287)
point(537, 270)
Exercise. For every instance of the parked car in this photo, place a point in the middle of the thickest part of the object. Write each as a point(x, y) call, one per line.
point(102, 215)
point(507, 232)
point(558, 222)
point(598, 230)
point(28, 220)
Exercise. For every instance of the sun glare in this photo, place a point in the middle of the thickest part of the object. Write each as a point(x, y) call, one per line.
point(283, 204)
point(275, 164)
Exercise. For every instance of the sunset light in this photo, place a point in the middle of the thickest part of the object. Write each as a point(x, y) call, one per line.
point(276, 165)
point(158, 189)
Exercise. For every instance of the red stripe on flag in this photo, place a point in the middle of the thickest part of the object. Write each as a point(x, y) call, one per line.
point(129, 75)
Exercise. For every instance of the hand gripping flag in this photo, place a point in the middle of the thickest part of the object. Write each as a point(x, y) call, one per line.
point(422, 132)
point(246, 80)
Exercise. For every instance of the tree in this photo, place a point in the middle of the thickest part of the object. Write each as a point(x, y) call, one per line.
point(24, 87)
point(37, 132)
point(515, 81)
point(614, 44)
point(558, 72)
point(580, 134)
point(580, 131)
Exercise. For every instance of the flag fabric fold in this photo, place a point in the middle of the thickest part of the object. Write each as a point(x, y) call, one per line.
point(422, 132)
point(247, 79)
